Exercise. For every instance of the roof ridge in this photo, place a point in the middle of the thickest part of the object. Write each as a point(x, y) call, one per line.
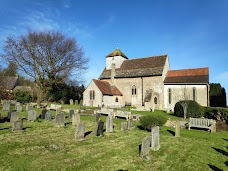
point(149, 57)
point(189, 69)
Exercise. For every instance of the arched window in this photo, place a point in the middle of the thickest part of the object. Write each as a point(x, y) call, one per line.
point(92, 94)
point(170, 95)
point(194, 94)
point(155, 100)
point(117, 99)
point(133, 90)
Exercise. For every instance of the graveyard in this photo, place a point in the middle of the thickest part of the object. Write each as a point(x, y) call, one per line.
point(41, 145)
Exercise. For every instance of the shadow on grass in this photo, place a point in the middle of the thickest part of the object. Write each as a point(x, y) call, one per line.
point(122, 170)
point(142, 128)
point(140, 148)
point(26, 128)
point(226, 163)
point(87, 133)
point(214, 167)
point(4, 119)
point(225, 139)
point(220, 151)
point(4, 128)
point(171, 132)
point(67, 123)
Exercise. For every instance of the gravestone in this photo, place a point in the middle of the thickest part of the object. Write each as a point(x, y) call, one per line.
point(28, 107)
point(17, 126)
point(130, 123)
point(145, 148)
point(44, 111)
point(6, 107)
point(123, 126)
point(80, 132)
point(75, 119)
point(71, 112)
point(32, 115)
point(177, 129)
point(60, 119)
point(71, 102)
point(98, 115)
point(9, 114)
point(100, 128)
point(48, 116)
point(14, 117)
point(19, 108)
point(155, 144)
point(58, 110)
point(109, 123)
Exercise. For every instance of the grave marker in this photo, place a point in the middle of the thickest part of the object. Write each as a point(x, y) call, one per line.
point(48, 116)
point(28, 107)
point(75, 119)
point(71, 102)
point(32, 115)
point(130, 123)
point(100, 128)
point(17, 126)
point(71, 112)
point(14, 117)
point(80, 132)
point(123, 126)
point(60, 119)
point(109, 123)
point(177, 129)
point(43, 113)
point(155, 144)
point(145, 148)
point(6, 107)
point(19, 108)
point(98, 115)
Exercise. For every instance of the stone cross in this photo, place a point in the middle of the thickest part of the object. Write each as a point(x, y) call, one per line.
point(48, 116)
point(60, 119)
point(80, 132)
point(14, 117)
point(109, 123)
point(123, 126)
point(43, 113)
point(32, 115)
point(71, 112)
point(19, 108)
point(177, 129)
point(145, 148)
point(155, 143)
point(17, 126)
point(75, 119)
point(100, 128)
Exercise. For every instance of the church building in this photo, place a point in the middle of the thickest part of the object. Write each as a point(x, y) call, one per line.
point(146, 82)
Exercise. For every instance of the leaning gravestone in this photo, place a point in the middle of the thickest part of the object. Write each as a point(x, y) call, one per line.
point(100, 128)
point(44, 111)
point(123, 126)
point(60, 119)
point(17, 126)
point(19, 108)
point(130, 123)
point(6, 107)
point(98, 115)
point(71, 112)
point(145, 148)
point(177, 129)
point(75, 119)
point(155, 144)
point(48, 116)
point(32, 115)
point(109, 123)
point(80, 132)
point(14, 117)
point(28, 107)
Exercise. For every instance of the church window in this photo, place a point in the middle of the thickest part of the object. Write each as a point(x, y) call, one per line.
point(194, 94)
point(92, 94)
point(117, 99)
point(133, 90)
point(155, 100)
point(170, 95)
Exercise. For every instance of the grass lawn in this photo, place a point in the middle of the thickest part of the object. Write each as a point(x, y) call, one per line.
point(45, 147)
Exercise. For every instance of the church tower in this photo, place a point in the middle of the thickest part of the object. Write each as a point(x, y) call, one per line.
point(116, 57)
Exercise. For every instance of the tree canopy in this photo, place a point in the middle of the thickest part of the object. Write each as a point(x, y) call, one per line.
point(217, 95)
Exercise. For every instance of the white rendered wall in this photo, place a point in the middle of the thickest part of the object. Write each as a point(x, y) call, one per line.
point(117, 60)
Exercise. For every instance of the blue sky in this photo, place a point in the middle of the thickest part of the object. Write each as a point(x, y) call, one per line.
point(194, 33)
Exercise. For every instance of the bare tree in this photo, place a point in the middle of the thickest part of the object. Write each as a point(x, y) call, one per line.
point(48, 57)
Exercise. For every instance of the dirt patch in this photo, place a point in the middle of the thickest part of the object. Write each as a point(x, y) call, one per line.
point(221, 126)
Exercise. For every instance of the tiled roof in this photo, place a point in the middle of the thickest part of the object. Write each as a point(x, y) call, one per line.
point(8, 82)
point(106, 88)
point(150, 66)
point(116, 52)
point(196, 75)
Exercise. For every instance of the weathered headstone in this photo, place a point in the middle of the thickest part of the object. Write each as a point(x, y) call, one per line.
point(71, 112)
point(98, 115)
point(28, 107)
point(48, 116)
point(109, 123)
point(75, 119)
point(123, 126)
point(130, 123)
point(145, 148)
point(17, 126)
point(44, 111)
point(14, 117)
point(155, 143)
point(213, 126)
point(177, 129)
point(80, 131)
point(71, 102)
point(32, 115)
point(100, 128)
point(19, 108)
point(9, 114)
point(6, 107)
point(60, 119)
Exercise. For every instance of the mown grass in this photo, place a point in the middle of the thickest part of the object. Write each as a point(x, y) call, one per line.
point(45, 147)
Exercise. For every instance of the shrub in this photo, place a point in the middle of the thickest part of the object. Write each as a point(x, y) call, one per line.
point(193, 109)
point(23, 96)
point(217, 113)
point(149, 121)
